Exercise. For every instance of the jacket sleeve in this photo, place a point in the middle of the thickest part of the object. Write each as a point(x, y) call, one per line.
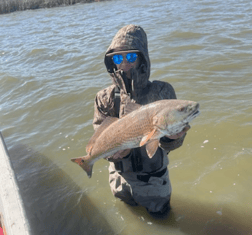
point(169, 144)
point(99, 114)
point(167, 92)
point(103, 106)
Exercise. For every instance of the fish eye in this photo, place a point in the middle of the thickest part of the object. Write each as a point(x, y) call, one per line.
point(181, 109)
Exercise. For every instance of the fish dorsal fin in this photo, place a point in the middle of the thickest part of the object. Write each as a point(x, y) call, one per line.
point(107, 122)
point(130, 107)
point(151, 148)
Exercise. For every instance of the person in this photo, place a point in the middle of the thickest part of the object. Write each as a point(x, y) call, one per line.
point(133, 176)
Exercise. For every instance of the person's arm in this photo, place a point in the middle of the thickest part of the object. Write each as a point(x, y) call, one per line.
point(103, 106)
point(99, 114)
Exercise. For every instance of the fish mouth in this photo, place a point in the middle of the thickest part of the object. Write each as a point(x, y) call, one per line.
point(191, 116)
point(195, 113)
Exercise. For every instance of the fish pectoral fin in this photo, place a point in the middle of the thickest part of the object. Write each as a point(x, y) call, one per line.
point(145, 139)
point(151, 136)
point(84, 164)
point(152, 147)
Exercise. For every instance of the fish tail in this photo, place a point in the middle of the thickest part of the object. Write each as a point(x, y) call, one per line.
point(84, 163)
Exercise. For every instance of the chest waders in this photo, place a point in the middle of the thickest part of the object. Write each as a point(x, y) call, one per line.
point(138, 160)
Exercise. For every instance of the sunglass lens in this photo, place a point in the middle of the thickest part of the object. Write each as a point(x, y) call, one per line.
point(117, 59)
point(131, 57)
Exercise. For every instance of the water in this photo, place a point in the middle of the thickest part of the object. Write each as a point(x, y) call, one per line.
point(51, 67)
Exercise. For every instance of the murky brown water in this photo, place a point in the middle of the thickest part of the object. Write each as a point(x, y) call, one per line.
point(51, 67)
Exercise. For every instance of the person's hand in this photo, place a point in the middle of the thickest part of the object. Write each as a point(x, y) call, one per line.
point(139, 79)
point(119, 78)
point(180, 134)
point(119, 155)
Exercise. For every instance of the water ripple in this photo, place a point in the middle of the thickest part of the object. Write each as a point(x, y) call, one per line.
point(51, 67)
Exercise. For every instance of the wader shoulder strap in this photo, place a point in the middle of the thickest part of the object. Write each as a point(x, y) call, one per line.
point(117, 101)
point(136, 160)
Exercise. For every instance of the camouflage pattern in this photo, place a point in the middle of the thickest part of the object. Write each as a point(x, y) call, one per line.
point(126, 186)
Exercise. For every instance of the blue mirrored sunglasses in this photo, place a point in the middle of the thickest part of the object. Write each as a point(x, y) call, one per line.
point(130, 57)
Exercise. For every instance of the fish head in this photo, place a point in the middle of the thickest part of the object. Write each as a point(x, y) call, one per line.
point(174, 117)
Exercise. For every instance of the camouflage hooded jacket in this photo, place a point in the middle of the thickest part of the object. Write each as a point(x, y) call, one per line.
point(139, 88)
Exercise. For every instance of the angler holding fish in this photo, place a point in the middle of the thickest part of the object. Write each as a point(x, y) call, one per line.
point(137, 123)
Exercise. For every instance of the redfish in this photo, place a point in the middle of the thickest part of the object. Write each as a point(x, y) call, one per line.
point(145, 125)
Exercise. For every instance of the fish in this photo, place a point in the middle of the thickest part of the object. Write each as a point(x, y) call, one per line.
point(142, 125)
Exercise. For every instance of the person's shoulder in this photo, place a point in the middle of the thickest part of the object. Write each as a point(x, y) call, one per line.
point(164, 89)
point(106, 95)
point(161, 85)
point(106, 92)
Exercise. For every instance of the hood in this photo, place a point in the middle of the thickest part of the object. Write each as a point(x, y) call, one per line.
point(130, 38)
